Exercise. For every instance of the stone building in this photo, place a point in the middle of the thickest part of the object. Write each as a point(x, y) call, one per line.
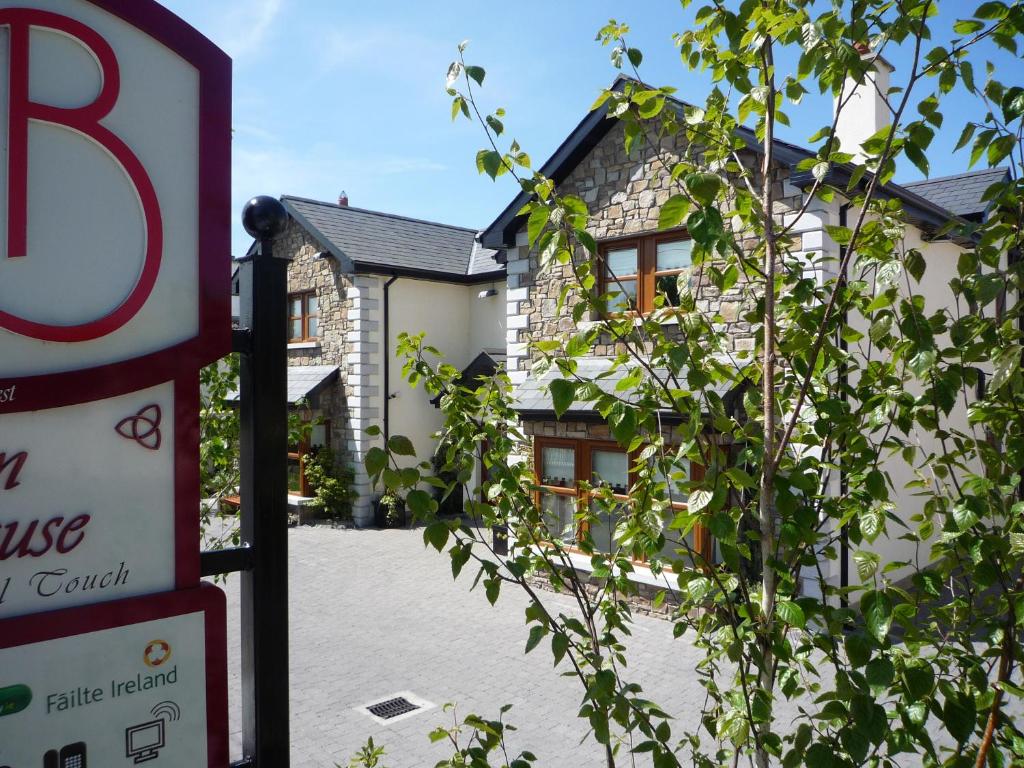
point(624, 193)
point(357, 279)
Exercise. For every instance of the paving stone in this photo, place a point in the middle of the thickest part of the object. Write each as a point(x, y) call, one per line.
point(374, 613)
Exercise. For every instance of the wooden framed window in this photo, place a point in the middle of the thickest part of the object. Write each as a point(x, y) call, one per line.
point(636, 270)
point(563, 465)
point(303, 316)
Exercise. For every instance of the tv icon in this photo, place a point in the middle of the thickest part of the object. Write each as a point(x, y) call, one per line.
point(144, 741)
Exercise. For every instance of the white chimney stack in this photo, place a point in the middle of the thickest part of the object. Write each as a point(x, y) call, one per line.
point(866, 111)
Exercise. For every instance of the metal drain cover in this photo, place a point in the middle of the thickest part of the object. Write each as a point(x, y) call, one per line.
point(392, 708)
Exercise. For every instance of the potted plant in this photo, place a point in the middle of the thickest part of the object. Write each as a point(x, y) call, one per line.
point(390, 511)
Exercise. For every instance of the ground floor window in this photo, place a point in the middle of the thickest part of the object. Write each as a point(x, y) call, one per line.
point(566, 467)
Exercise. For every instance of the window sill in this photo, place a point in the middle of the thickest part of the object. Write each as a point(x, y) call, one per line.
point(586, 325)
point(304, 345)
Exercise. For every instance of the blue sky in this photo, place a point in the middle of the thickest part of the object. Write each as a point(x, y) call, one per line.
point(336, 94)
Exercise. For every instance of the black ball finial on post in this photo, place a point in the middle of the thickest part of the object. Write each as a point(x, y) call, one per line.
point(264, 217)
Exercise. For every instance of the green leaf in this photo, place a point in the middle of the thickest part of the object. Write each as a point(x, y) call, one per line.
point(436, 534)
point(922, 362)
point(563, 393)
point(622, 421)
point(867, 563)
point(537, 221)
point(858, 649)
point(876, 607)
point(880, 673)
point(699, 499)
point(1006, 362)
point(537, 631)
point(790, 613)
point(706, 226)
point(703, 186)
point(673, 211)
point(959, 714)
point(401, 446)
point(477, 73)
point(419, 503)
point(916, 156)
point(376, 460)
point(635, 56)
point(559, 646)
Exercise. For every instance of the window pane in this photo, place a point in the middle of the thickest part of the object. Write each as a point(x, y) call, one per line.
point(558, 466)
point(314, 327)
point(295, 328)
point(620, 262)
point(558, 511)
point(680, 470)
point(295, 306)
point(602, 529)
point(318, 436)
point(312, 304)
point(610, 468)
point(623, 296)
point(674, 255)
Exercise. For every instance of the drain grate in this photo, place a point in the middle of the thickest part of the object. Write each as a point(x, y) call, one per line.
point(392, 708)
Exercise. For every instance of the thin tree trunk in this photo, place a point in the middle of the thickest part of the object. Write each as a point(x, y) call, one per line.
point(766, 503)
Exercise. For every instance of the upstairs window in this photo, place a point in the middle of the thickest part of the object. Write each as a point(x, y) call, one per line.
point(303, 316)
point(636, 270)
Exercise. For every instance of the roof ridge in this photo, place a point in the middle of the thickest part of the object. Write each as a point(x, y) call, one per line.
point(379, 213)
point(1001, 170)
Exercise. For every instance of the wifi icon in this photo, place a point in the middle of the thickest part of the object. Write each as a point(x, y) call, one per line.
point(167, 711)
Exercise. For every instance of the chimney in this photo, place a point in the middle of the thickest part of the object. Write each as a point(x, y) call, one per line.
point(866, 112)
point(343, 198)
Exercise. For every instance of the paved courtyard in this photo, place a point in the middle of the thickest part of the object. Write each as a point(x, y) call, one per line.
point(374, 613)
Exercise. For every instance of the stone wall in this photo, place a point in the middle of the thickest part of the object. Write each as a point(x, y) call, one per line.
point(345, 310)
point(624, 194)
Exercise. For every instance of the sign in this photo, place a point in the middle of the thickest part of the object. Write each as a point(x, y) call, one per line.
point(87, 501)
point(114, 291)
point(137, 681)
point(115, 204)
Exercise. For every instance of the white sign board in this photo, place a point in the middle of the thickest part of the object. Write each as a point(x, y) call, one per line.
point(118, 694)
point(104, 237)
point(87, 502)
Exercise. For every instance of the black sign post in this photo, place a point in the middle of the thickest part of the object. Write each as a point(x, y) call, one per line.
point(263, 556)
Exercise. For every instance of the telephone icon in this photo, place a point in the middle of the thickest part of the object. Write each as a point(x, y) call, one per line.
point(70, 756)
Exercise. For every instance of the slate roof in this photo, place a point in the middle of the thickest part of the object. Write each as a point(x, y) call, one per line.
point(370, 241)
point(304, 381)
point(960, 193)
point(483, 366)
point(533, 398)
point(920, 208)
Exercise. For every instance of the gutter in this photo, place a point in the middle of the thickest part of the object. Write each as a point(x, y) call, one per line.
point(386, 374)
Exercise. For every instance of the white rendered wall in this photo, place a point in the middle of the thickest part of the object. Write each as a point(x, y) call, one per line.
point(941, 260)
point(487, 318)
point(442, 310)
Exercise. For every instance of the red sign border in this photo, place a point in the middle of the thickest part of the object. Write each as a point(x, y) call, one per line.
point(213, 196)
point(38, 628)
